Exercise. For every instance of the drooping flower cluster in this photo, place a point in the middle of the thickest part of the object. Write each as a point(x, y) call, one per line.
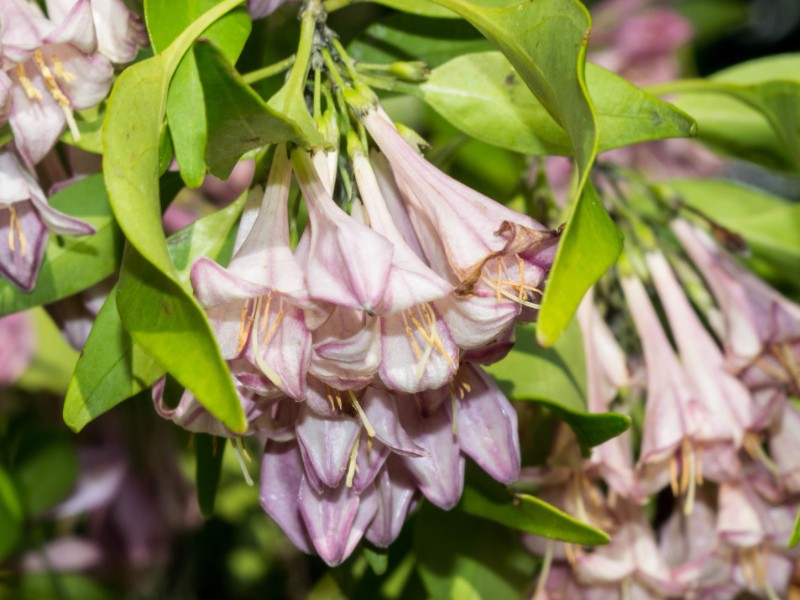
point(356, 353)
point(715, 438)
point(50, 67)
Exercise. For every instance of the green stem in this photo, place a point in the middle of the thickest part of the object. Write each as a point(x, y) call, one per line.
point(268, 71)
point(333, 5)
point(389, 85)
point(348, 62)
point(333, 70)
point(308, 25)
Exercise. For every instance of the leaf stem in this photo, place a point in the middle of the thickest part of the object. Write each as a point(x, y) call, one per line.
point(389, 85)
point(333, 5)
point(268, 71)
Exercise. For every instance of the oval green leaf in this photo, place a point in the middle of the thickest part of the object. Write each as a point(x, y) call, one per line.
point(112, 368)
point(133, 128)
point(460, 90)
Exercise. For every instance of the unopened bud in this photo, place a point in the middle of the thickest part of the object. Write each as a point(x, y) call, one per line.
point(361, 99)
point(414, 71)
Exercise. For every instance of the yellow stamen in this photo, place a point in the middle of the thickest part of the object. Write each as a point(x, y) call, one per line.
point(60, 71)
point(410, 335)
point(499, 278)
point(265, 313)
point(690, 472)
point(55, 91)
point(698, 461)
point(27, 85)
point(521, 277)
point(330, 398)
point(367, 425)
point(508, 295)
point(236, 449)
point(352, 467)
point(245, 325)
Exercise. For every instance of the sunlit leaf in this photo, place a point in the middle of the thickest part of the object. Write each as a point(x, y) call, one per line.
point(461, 89)
point(133, 128)
point(186, 111)
point(484, 497)
point(238, 119)
point(545, 41)
point(112, 368)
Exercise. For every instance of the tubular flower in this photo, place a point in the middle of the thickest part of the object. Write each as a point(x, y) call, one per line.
point(358, 460)
point(17, 345)
point(25, 218)
point(701, 357)
point(761, 327)
point(606, 372)
point(683, 439)
point(496, 258)
point(371, 270)
point(54, 69)
point(256, 304)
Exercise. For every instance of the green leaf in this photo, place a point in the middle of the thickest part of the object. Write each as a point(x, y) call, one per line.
point(769, 224)
point(238, 119)
point(111, 367)
point(465, 557)
point(72, 264)
point(186, 111)
point(10, 514)
point(589, 246)
point(209, 451)
point(174, 329)
point(794, 539)
point(460, 90)
point(53, 361)
point(421, 8)
point(751, 110)
point(45, 468)
point(484, 497)
point(403, 37)
point(559, 384)
point(545, 41)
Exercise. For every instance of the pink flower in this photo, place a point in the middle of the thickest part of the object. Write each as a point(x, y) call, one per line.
point(631, 562)
point(25, 218)
point(606, 372)
point(54, 69)
point(256, 304)
point(496, 258)
point(683, 432)
point(17, 345)
point(762, 328)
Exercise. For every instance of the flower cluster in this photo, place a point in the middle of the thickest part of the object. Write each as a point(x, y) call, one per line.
point(50, 66)
point(715, 437)
point(356, 353)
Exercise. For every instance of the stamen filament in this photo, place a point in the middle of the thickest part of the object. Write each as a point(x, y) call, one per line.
point(242, 466)
point(352, 467)
point(27, 85)
point(367, 425)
